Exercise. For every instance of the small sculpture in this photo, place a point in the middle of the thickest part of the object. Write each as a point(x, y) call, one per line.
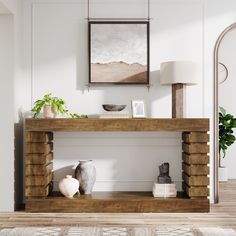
point(164, 177)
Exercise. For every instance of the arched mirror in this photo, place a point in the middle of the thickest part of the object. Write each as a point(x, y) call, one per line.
point(224, 96)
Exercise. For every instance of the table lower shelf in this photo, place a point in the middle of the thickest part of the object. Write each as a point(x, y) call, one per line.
point(117, 202)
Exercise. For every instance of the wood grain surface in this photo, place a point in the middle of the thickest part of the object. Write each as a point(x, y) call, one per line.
point(196, 191)
point(198, 148)
point(38, 163)
point(186, 124)
point(196, 169)
point(38, 180)
point(38, 159)
point(36, 191)
point(38, 137)
point(195, 164)
point(119, 202)
point(177, 100)
point(43, 148)
point(198, 159)
point(199, 180)
point(35, 170)
point(195, 137)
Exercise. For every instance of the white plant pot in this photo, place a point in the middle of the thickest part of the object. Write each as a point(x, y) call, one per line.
point(49, 112)
point(69, 186)
point(223, 174)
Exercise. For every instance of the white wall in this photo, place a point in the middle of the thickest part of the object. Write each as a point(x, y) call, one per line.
point(7, 114)
point(20, 102)
point(11, 5)
point(227, 96)
point(3, 9)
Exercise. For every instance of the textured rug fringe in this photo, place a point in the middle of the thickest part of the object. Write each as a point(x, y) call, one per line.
point(116, 231)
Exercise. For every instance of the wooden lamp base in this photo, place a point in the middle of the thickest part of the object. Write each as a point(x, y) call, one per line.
point(177, 100)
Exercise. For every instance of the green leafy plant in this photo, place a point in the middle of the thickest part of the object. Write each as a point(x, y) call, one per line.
point(78, 116)
point(58, 104)
point(227, 123)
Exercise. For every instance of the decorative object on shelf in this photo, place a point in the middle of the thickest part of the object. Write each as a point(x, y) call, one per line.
point(223, 73)
point(113, 111)
point(164, 186)
point(49, 111)
point(178, 74)
point(164, 190)
point(114, 115)
point(69, 186)
point(85, 172)
point(227, 123)
point(118, 52)
point(113, 107)
point(52, 106)
point(163, 177)
point(138, 109)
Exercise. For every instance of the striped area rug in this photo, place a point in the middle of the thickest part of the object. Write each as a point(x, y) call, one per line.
point(115, 231)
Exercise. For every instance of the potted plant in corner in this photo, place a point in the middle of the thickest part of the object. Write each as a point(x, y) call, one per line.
point(227, 123)
point(51, 106)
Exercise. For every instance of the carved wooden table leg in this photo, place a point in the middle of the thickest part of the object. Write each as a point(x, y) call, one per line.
point(196, 164)
point(38, 164)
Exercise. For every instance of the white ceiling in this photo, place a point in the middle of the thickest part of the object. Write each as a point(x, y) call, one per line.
point(3, 9)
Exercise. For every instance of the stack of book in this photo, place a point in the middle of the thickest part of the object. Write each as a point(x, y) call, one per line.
point(115, 115)
point(164, 190)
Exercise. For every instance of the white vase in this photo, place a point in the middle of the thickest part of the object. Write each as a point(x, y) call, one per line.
point(49, 112)
point(69, 186)
point(223, 174)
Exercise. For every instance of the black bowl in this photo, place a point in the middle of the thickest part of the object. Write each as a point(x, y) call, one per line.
point(113, 107)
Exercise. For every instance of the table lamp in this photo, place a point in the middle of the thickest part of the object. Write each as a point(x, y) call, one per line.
point(178, 74)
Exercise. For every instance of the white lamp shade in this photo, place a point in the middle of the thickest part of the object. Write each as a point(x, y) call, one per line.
point(179, 72)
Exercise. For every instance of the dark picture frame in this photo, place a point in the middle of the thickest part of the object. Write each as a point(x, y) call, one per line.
point(118, 52)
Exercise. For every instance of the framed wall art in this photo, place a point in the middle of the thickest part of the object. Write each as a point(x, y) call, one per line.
point(118, 52)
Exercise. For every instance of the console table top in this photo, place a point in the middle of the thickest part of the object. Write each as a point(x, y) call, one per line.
point(116, 125)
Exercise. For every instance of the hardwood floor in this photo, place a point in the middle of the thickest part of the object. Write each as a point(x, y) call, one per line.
point(221, 215)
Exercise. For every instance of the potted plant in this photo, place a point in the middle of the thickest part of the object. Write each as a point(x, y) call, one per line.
point(51, 106)
point(227, 123)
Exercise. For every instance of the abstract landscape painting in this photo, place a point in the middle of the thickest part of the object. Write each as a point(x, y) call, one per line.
point(119, 52)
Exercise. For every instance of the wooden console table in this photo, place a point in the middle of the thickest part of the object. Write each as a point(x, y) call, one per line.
point(39, 157)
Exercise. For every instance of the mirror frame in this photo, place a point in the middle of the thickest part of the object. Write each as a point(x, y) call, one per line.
point(216, 110)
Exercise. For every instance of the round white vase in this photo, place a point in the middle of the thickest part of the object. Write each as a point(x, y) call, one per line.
point(69, 186)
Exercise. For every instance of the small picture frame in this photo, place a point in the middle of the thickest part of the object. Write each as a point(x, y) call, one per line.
point(138, 109)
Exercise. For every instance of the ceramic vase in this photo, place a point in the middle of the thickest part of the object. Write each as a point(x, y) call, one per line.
point(49, 112)
point(223, 170)
point(69, 186)
point(223, 174)
point(85, 172)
